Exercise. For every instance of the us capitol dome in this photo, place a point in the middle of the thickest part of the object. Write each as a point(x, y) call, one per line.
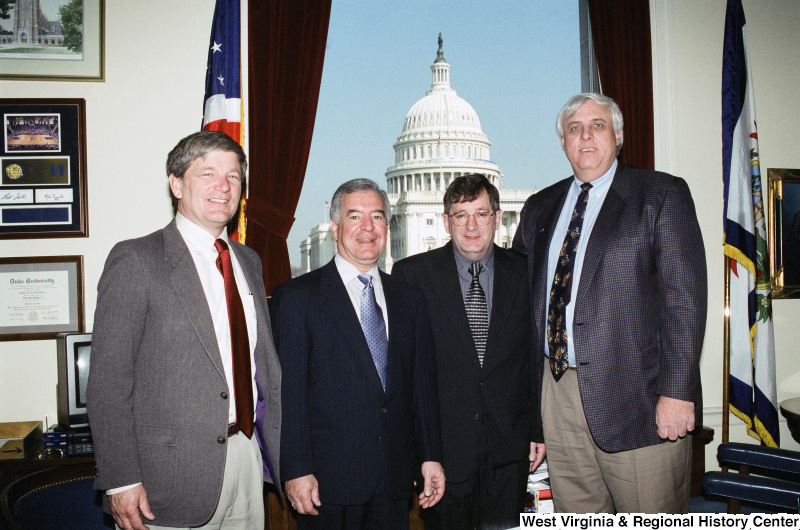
point(441, 139)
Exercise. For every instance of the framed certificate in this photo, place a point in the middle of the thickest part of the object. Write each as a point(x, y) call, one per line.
point(43, 168)
point(40, 297)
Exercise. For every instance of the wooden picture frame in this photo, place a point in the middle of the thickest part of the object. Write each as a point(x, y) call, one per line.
point(41, 297)
point(783, 225)
point(67, 46)
point(43, 169)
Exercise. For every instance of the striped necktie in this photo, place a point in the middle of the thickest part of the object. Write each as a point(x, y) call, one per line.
point(477, 312)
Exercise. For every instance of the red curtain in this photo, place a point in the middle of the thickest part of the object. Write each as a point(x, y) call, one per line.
point(621, 37)
point(286, 44)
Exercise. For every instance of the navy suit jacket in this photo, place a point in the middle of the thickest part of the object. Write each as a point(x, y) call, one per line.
point(338, 423)
point(504, 394)
point(640, 310)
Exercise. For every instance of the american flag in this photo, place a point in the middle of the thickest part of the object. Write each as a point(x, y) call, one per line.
point(223, 99)
point(222, 109)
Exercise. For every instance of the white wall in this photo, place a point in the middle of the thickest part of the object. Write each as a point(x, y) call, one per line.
point(155, 59)
point(698, 28)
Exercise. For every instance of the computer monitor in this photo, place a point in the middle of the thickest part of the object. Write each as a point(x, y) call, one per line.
point(74, 350)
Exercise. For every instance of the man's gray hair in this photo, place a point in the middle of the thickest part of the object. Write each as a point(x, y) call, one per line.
point(575, 102)
point(200, 145)
point(352, 186)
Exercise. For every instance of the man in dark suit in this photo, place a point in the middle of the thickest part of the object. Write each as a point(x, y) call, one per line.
point(360, 406)
point(489, 379)
point(184, 402)
point(618, 285)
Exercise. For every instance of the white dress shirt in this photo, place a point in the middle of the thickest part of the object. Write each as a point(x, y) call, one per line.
point(204, 253)
point(349, 274)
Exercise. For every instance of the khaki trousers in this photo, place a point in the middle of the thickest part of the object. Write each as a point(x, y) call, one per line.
point(586, 479)
point(241, 502)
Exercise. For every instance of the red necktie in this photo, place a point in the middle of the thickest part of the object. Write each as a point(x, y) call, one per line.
point(240, 345)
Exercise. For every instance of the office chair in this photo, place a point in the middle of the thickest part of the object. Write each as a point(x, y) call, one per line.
point(57, 498)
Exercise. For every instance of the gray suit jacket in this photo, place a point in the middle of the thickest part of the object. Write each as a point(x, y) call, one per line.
point(157, 394)
point(640, 309)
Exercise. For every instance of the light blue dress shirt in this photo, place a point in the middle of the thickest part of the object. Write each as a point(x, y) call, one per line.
point(597, 195)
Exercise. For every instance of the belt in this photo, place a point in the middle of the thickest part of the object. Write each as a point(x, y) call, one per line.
point(233, 429)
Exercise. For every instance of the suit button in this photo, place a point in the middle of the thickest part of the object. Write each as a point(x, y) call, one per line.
point(477, 417)
point(380, 439)
point(224, 395)
point(384, 410)
point(482, 384)
point(220, 440)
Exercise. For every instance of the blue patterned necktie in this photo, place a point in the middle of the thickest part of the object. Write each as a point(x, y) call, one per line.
point(477, 312)
point(374, 327)
point(561, 292)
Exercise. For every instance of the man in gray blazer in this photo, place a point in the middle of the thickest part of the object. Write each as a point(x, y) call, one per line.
point(184, 402)
point(617, 270)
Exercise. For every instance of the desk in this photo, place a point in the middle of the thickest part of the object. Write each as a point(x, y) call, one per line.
point(790, 408)
point(13, 469)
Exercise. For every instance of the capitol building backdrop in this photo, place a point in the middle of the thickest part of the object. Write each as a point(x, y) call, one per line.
point(441, 139)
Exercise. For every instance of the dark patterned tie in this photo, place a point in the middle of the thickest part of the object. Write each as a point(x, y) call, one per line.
point(374, 327)
point(477, 313)
point(240, 344)
point(561, 292)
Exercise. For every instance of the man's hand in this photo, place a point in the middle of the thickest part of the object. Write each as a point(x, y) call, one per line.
point(536, 456)
point(126, 505)
point(433, 489)
point(303, 494)
point(674, 417)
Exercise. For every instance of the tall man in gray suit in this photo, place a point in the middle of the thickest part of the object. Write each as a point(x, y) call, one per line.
point(618, 287)
point(489, 378)
point(184, 389)
point(359, 395)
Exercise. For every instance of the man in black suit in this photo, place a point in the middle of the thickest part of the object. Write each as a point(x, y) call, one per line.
point(360, 401)
point(489, 379)
point(618, 284)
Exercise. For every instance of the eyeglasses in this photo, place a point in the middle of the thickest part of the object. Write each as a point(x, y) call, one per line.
point(481, 218)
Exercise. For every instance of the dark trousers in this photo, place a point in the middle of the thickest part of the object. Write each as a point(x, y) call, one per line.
point(378, 513)
point(490, 499)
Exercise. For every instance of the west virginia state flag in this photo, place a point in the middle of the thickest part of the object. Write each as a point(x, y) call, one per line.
point(752, 389)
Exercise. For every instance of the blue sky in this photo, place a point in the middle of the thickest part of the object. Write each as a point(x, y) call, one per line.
point(516, 62)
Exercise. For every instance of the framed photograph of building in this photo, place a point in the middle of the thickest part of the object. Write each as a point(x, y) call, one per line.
point(784, 231)
point(40, 297)
point(52, 40)
point(43, 168)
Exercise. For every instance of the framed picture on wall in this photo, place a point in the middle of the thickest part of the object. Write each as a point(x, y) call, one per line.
point(52, 40)
point(43, 168)
point(784, 231)
point(40, 297)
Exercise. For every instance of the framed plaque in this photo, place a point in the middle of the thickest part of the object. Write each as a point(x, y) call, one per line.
point(41, 297)
point(43, 165)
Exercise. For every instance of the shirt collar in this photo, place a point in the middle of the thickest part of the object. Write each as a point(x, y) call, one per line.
point(601, 184)
point(197, 236)
point(349, 272)
point(463, 263)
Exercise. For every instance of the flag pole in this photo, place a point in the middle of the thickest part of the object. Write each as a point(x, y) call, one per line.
point(726, 352)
